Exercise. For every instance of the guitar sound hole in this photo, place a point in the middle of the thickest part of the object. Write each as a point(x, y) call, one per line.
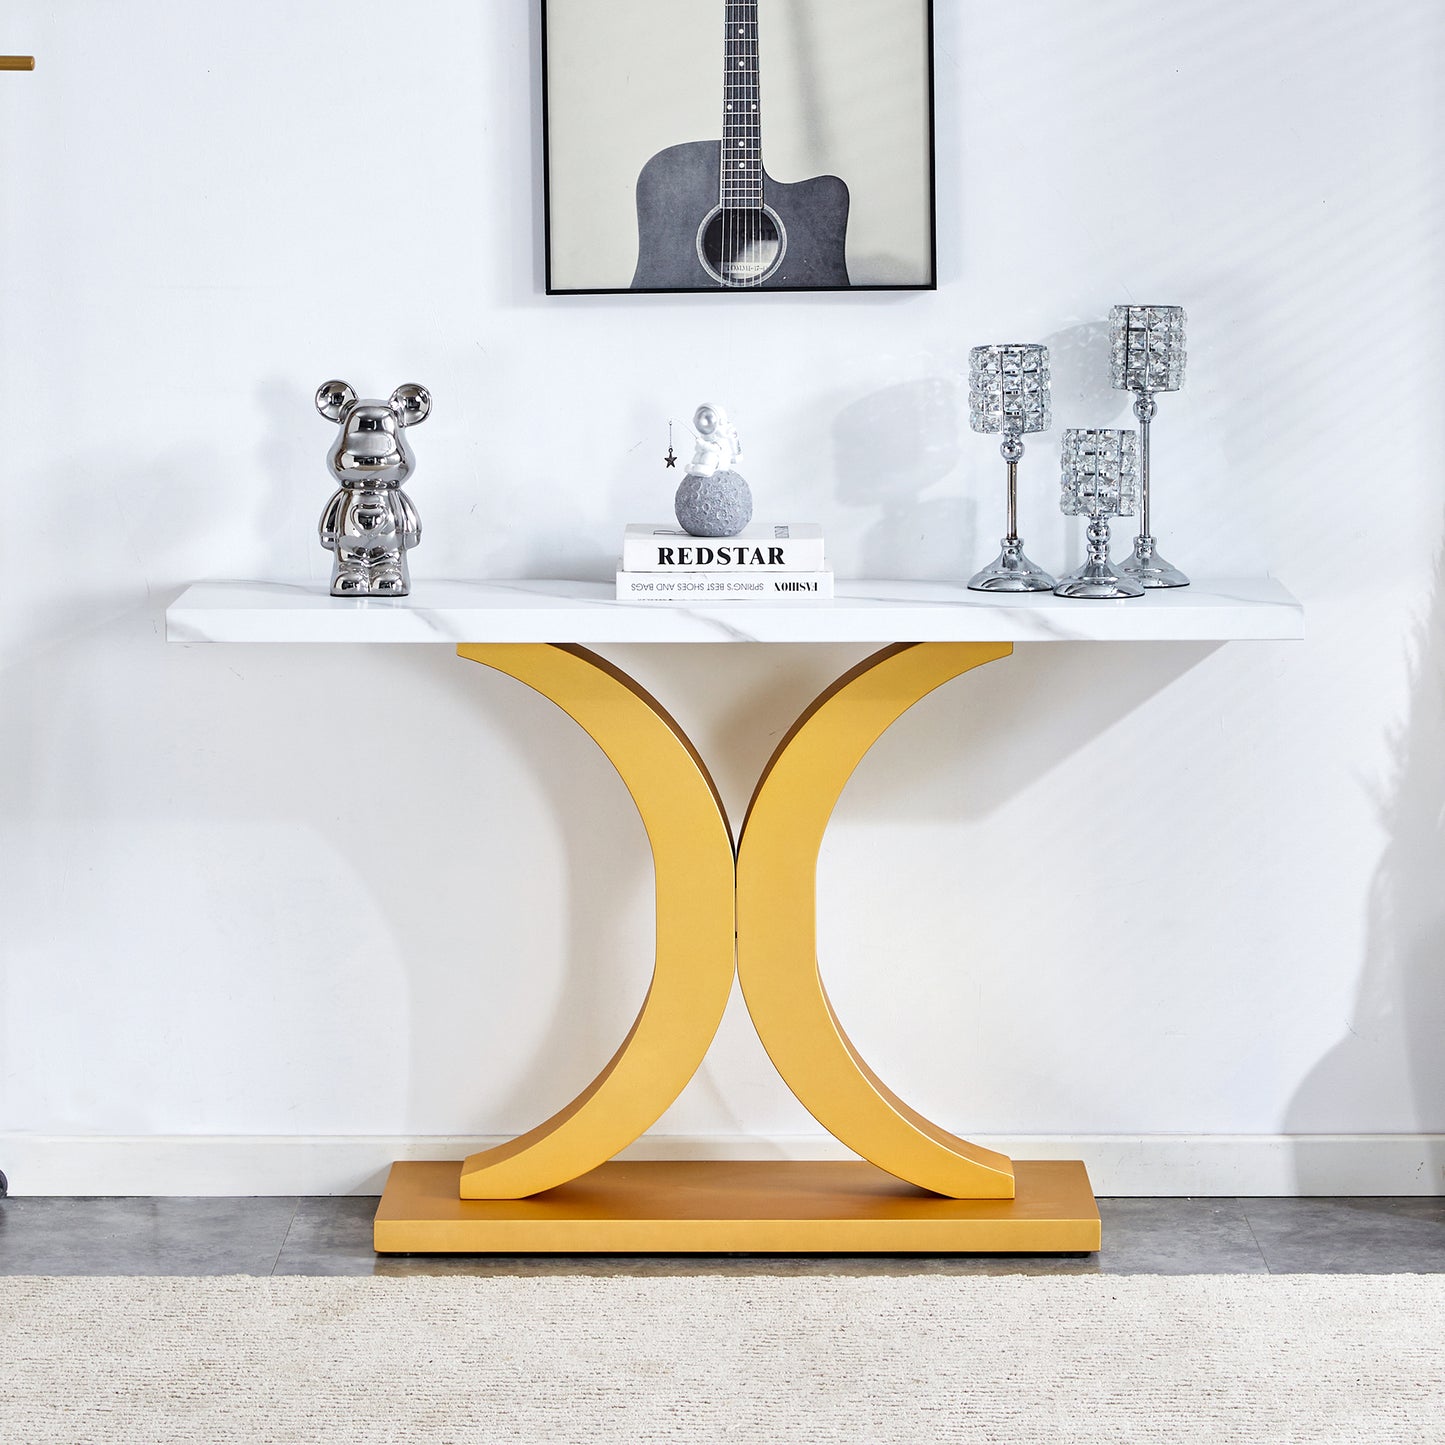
point(741, 247)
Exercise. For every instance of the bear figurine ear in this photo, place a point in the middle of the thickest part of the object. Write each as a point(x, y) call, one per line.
point(334, 399)
point(412, 403)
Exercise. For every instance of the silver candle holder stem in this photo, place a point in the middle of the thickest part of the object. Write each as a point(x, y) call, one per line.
point(1099, 538)
point(1011, 449)
point(1144, 408)
point(1146, 566)
point(1012, 570)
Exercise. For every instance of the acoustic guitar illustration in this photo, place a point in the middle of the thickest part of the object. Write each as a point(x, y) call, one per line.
point(710, 216)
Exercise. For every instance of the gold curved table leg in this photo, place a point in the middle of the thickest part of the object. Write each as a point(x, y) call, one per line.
point(777, 924)
point(692, 856)
point(550, 1191)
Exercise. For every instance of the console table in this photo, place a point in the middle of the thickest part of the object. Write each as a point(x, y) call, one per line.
point(726, 907)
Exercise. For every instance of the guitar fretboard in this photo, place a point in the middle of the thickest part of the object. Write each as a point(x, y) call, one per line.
point(741, 178)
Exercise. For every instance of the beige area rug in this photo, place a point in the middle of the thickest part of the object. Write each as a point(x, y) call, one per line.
point(563, 1359)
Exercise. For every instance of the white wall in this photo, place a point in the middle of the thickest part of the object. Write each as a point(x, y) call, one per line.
point(1090, 893)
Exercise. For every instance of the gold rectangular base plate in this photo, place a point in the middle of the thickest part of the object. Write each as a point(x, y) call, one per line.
point(750, 1207)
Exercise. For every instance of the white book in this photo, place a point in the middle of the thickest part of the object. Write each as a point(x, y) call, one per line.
point(726, 586)
point(656, 547)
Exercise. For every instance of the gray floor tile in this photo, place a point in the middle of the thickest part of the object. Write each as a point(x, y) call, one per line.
point(332, 1236)
point(1178, 1236)
point(142, 1236)
point(1350, 1236)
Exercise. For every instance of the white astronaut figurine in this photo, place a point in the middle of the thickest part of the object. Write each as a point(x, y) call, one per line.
point(718, 446)
point(713, 500)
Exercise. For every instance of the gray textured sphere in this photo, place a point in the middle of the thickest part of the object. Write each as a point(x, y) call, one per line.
point(717, 506)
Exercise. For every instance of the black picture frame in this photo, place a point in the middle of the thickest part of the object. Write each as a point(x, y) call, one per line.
point(610, 94)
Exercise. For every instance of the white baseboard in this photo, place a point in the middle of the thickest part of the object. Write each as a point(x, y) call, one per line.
point(1160, 1165)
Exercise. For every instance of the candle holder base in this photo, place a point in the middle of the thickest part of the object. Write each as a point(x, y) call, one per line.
point(1011, 571)
point(1098, 581)
point(1149, 569)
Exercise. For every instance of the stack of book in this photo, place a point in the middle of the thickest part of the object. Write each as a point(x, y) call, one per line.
point(761, 563)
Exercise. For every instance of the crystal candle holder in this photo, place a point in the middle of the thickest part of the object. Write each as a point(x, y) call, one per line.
point(1099, 473)
point(1008, 393)
point(1147, 356)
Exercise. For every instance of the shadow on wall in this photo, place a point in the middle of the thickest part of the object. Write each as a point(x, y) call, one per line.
point(1079, 378)
point(889, 449)
point(333, 820)
point(966, 752)
point(603, 866)
point(1399, 1015)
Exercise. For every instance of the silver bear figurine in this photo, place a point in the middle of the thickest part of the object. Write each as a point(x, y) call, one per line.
point(370, 522)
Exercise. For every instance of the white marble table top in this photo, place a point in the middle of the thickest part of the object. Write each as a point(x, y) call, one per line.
point(1254, 608)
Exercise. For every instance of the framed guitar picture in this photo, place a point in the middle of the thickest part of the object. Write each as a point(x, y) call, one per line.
point(738, 145)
